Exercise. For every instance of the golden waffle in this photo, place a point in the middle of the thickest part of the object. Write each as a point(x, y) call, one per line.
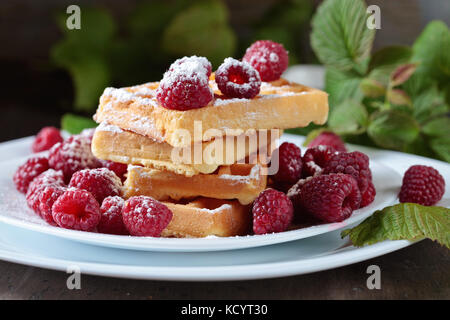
point(112, 143)
point(238, 181)
point(204, 217)
point(280, 104)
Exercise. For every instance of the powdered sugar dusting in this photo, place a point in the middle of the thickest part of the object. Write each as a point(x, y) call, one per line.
point(104, 126)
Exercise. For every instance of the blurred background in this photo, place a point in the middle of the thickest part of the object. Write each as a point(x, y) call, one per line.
point(48, 70)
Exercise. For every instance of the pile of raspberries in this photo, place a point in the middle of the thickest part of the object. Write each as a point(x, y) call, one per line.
point(69, 187)
point(328, 183)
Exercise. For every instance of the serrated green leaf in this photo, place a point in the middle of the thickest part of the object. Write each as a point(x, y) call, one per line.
point(340, 37)
point(390, 56)
point(403, 221)
point(427, 101)
point(431, 50)
point(74, 124)
point(349, 117)
point(441, 146)
point(341, 86)
point(201, 29)
point(393, 129)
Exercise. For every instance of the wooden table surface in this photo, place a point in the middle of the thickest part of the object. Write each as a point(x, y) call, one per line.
point(421, 271)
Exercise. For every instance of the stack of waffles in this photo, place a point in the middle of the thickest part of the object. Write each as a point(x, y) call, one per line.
point(207, 164)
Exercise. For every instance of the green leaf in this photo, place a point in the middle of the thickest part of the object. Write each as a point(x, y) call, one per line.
point(398, 97)
point(441, 146)
point(350, 117)
point(342, 86)
point(393, 129)
point(340, 37)
point(390, 56)
point(431, 49)
point(74, 124)
point(83, 54)
point(437, 127)
point(372, 88)
point(404, 221)
point(427, 100)
point(202, 29)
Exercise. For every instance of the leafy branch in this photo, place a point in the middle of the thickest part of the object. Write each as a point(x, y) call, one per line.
point(396, 98)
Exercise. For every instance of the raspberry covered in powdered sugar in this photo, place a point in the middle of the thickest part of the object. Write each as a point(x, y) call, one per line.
point(101, 182)
point(353, 163)
point(290, 164)
point(272, 212)
point(330, 139)
point(25, 174)
point(46, 138)
point(120, 169)
point(269, 58)
point(146, 217)
point(237, 79)
point(185, 85)
point(72, 155)
point(315, 159)
point(200, 61)
point(111, 221)
point(76, 209)
point(49, 179)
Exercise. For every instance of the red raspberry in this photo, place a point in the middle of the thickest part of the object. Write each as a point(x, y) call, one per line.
point(46, 138)
point(111, 221)
point(202, 61)
point(328, 139)
point(368, 196)
point(28, 171)
point(355, 164)
point(236, 79)
point(330, 198)
point(45, 179)
point(289, 159)
point(144, 216)
point(269, 58)
point(100, 182)
point(315, 159)
point(272, 212)
point(120, 169)
point(48, 194)
point(72, 155)
point(185, 86)
point(423, 185)
point(76, 209)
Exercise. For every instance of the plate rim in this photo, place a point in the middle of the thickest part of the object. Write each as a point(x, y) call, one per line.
point(249, 271)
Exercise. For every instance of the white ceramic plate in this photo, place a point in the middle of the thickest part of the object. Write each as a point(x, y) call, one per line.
point(308, 255)
point(313, 254)
point(14, 211)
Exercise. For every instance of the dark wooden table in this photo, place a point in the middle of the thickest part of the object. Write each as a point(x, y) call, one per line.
point(421, 271)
